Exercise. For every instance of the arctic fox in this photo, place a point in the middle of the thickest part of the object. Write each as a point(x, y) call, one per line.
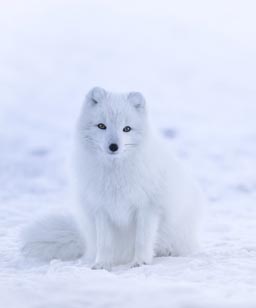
point(135, 201)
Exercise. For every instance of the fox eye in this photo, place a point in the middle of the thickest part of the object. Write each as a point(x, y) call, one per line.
point(102, 126)
point(127, 129)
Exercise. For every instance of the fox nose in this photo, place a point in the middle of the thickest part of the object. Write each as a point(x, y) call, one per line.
point(113, 147)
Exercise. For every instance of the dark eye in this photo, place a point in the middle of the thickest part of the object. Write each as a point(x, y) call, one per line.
point(102, 126)
point(127, 129)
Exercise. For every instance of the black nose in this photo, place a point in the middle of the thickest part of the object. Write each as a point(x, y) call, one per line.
point(113, 147)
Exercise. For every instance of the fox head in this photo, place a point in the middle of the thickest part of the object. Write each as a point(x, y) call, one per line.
point(113, 125)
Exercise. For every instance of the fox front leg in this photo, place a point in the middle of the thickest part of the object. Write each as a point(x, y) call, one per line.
point(104, 243)
point(146, 232)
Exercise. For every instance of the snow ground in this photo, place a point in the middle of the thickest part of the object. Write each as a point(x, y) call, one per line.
point(195, 62)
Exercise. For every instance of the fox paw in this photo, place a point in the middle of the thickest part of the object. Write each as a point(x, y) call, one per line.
point(138, 263)
point(102, 266)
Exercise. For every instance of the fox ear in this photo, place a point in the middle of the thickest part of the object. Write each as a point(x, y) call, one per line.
point(95, 95)
point(137, 99)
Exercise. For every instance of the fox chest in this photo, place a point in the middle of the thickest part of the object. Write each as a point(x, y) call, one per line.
point(120, 197)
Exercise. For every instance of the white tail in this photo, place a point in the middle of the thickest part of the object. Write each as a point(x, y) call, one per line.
point(53, 237)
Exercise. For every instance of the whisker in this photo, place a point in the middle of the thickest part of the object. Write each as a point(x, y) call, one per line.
point(131, 144)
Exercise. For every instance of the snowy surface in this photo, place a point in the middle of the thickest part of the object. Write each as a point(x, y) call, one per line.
point(195, 63)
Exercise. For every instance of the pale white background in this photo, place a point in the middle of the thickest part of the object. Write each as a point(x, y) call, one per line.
point(195, 62)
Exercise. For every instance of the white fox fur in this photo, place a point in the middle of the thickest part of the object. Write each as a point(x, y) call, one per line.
point(133, 204)
point(53, 237)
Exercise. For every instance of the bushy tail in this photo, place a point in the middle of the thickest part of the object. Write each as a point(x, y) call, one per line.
point(53, 237)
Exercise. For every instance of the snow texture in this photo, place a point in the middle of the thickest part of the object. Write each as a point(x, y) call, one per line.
point(195, 63)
